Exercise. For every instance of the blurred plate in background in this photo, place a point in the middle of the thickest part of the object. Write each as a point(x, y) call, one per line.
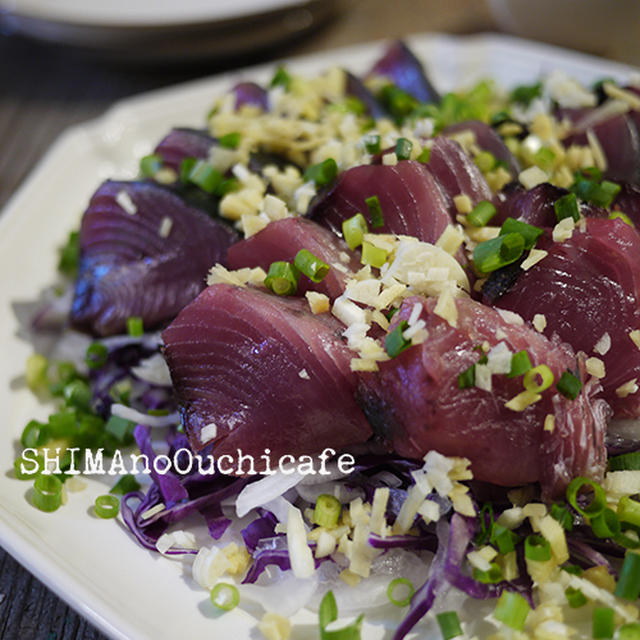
point(166, 30)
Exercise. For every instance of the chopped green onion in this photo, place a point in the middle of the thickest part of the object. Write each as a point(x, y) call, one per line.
point(567, 207)
point(106, 506)
point(512, 609)
point(588, 173)
point(327, 511)
point(481, 214)
point(36, 371)
point(575, 597)
point(449, 624)
point(492, 576)
point(150, 165)
point(96, 355)
point(281, 78)
point(591, 190)
point(485, 161)
point(467, 378)
point(626, 461)
point(367, 125)
point(375, 212)
point(527, 231)
point(543, 373)
point(503, 538)
point(77, 394)
point(406, 586)
point(602, 623)
point(375, 256)
point(498, 252)
point(403, 148)
point(629, 631)
point(310, 265)
point(392, 312)
point(398, 102)
point(525, 94)
point(66, 371)
point(573, 569)
point(395, 343)
point(35, 434)
point(62, 424)
point(70, 255)
point(598, 501)
point(47, 493)
point(19, 462)
point(203, 175)
point(628, 586)
point(425, 156)
point(485, 531)
point(328, 613)
point(226, 186)
point(629, 510)
point(520, 364)
point(537, 548)
point(605, 524)
point(353, 230)
point(120, 428)
point(608, 191)
point(628, 542)
point(615, 215)
point(135, 327)
point(125, 485)
point(544, 158)
point(282, 278)
point(323, 172)
point(230, 140)
point(372, 143)
point(225, 596)
point(562, 515)
point(569, 385)
point(185, 168)
point(354, 105)
point(121, 391)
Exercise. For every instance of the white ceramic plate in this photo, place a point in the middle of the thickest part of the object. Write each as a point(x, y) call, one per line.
point(143, 13)
point(166, 30)
point(95, 565)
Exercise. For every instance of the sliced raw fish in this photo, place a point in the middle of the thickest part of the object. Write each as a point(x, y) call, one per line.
point(414, 402)
point(184, 143)
point(628, 201)
point(456, 172)
point(412, 201)
point(536, 206)
point(617, 136)
point(356, 88)
point(282, 239)
point(143, 252)
point(255, 371)
point(586, 287)
point(403, 69)
point(250, 93)
point(488, 140)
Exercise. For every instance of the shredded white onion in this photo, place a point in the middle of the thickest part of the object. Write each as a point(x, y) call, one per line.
point(283, 594)
point(153, 370)
point(122, 411)
point(264, 490)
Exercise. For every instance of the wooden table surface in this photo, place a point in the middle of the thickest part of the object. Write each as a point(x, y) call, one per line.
point(46, 88)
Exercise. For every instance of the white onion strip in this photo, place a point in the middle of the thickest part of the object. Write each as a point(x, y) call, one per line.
point(127, 413)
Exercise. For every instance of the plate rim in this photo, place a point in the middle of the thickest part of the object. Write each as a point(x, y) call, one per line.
point(46, 12)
